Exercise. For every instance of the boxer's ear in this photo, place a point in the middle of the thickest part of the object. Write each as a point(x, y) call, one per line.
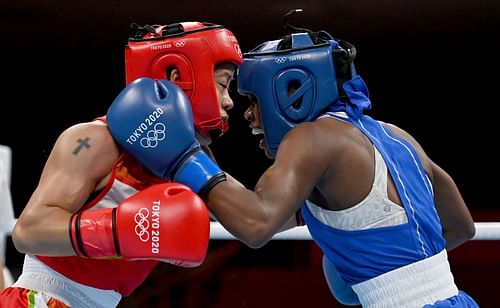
point(173, 74)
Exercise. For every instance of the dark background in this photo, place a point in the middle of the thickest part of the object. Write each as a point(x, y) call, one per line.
point(431, 67)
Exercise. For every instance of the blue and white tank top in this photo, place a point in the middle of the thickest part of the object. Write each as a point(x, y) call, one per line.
point(381, 242)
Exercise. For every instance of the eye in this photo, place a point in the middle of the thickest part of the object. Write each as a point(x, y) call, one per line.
point(223, 85)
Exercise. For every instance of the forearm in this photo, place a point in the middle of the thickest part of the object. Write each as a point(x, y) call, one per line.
point(44, 232)
point(241, 212)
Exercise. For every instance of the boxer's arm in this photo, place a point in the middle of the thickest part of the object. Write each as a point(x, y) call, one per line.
point(456, 220)
point(71, 173)
point(255, 216)
point(291, 223)
point(294, 221)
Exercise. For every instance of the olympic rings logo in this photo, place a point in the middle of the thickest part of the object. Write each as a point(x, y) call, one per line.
point(179, 43)
point(142, 224)
point(280, 60)
point(153, 136)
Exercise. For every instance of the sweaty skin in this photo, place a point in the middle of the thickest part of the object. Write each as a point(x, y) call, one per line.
point(332, 163)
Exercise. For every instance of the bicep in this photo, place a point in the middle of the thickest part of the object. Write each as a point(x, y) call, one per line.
point(299, 166)
point(65, 184)
point(71, 173)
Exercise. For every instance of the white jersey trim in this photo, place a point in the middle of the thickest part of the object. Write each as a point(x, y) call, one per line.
point(39, 277)
point(375, 210)
point(414, 285)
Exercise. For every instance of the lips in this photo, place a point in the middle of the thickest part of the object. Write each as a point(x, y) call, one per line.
point(259, 132)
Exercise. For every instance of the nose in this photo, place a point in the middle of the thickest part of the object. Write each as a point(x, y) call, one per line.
point(227, 103)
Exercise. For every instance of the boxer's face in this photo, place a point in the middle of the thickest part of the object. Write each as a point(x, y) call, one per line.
point(252, 115)
point(224, 74)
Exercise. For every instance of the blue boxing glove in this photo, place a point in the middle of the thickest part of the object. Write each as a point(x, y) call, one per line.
point(153, 121)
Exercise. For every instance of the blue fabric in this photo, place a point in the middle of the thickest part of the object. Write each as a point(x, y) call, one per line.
point(461, 300)
point(196, 171)
point(340, 289)
point(355, 256)
point(363, 254)
point(358, 101)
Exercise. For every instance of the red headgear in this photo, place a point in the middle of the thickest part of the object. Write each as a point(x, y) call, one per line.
point(194, 48)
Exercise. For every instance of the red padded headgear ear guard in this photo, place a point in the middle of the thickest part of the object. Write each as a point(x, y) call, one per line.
point(194, 48)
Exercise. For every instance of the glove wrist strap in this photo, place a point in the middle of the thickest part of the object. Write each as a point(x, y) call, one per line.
point(75, 236)
point(221, 177)
point(93, 233)
point(199, 172)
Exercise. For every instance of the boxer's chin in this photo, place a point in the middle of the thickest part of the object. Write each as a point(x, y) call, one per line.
point(265, 148)
point(204, 141)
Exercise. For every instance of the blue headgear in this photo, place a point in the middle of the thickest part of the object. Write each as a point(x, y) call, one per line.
point(314, 62)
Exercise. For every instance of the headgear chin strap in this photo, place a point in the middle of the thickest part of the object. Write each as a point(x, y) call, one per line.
point(194, 48)
point(314, 62)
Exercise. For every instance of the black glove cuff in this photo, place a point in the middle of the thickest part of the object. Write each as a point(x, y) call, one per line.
point(74, 222)
point(203, 193)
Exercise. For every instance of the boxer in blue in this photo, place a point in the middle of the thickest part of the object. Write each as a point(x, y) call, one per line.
point(380, 209)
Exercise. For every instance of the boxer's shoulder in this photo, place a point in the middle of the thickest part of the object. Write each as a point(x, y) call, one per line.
point(94, 133)
point(88, 145)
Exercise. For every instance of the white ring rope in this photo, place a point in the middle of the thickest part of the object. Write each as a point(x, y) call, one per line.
point(6, 227)
point(484, 231)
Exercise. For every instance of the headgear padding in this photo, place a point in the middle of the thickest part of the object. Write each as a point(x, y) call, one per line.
point(194, 48)
point(269, 70)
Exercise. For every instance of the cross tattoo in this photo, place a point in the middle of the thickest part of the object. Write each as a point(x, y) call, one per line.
point(82, 144)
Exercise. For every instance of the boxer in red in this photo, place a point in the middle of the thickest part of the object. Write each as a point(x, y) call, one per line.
point(99, 221)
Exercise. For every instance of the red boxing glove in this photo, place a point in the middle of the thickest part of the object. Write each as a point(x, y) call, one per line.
point(165, 222)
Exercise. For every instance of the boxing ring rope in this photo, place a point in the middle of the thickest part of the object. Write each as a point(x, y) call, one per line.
point(484, 231)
